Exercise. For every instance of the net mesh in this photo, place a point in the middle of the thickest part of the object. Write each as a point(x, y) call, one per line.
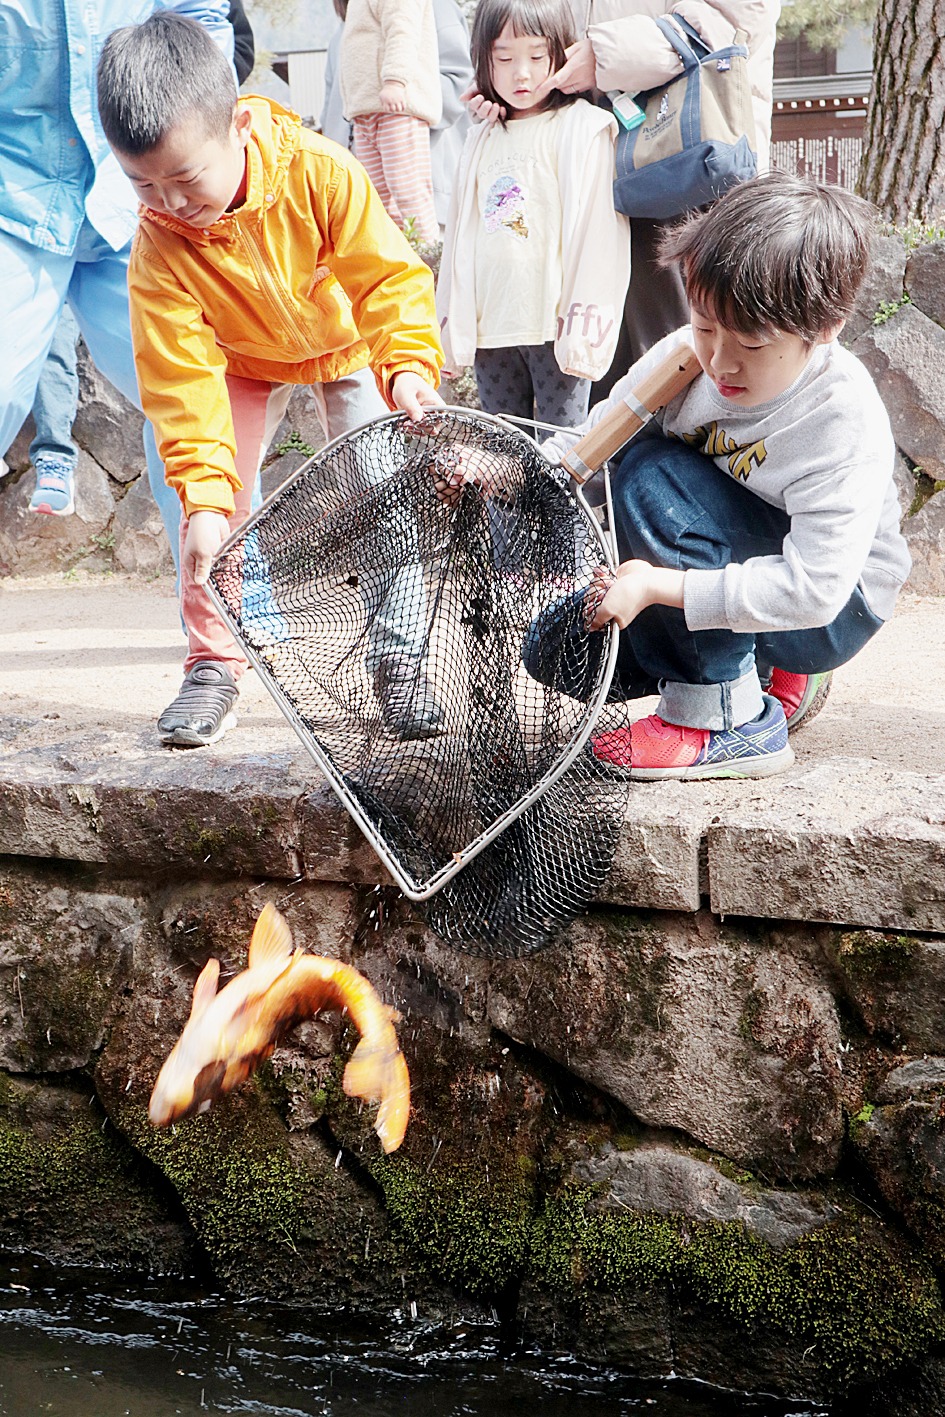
point(394, 628)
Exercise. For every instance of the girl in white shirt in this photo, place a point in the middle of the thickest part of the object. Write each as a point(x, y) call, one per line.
point(536, 261)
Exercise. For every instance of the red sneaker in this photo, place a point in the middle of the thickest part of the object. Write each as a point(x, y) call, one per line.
point(802, 696)
point(651, 748)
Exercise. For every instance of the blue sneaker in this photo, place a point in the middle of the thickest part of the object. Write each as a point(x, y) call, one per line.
point(55, 486)
point(651, 748)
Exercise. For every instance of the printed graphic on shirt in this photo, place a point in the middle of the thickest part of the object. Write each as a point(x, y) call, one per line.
point(716, 443)
point(505, 206)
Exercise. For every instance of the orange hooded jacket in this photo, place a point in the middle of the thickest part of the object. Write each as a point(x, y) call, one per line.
point(305, 282)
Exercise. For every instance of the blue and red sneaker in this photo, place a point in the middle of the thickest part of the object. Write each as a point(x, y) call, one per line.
point(651, 748)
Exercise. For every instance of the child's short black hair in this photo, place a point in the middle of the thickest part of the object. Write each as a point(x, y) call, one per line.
point(776, 253)
point(550, 19)
point(154, 75)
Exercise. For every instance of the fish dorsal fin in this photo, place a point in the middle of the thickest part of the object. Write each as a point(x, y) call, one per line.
point(272, 938)
point(205, 989)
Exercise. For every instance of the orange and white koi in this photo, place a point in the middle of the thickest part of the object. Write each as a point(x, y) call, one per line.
point(231, 1032)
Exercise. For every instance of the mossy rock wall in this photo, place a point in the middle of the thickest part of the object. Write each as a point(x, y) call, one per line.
point(652, 1144)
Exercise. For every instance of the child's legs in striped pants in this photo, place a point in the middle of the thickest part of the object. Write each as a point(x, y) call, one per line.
point(395, 150)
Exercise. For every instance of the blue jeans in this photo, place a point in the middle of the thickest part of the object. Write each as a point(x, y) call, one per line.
point(34, 286)
point(57, 396)
point(673, 507)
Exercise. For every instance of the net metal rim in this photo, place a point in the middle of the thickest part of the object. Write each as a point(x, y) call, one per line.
point(412, 888)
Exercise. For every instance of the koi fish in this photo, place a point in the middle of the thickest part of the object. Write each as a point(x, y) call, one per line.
point(231, 1032)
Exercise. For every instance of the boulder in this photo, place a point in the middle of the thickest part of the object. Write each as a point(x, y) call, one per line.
point(107, 425)
point(925, 533)
point(902, 1147)
point(140, 542)
point(65, 959)
point(33, 544)
point(659, 1178)
point(882, 287)
point(727, 1035)
point(906, 357)
point(895, 983)
point(925, 279)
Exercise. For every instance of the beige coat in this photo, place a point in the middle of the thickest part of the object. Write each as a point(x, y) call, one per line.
point(632, 54)
point(390, 39)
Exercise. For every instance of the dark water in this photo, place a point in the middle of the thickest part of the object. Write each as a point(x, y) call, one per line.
point(71, 1345)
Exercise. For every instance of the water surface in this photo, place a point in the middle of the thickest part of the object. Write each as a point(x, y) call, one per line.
point(78, 1344)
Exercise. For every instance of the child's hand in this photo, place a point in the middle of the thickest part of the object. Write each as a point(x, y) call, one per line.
point(413, 394)
point(467, 466)
point(638, 585)
point(393, 96)
point(481, 110)
point(206, 533)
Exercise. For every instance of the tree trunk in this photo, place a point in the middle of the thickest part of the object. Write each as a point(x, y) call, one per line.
point(903, 168)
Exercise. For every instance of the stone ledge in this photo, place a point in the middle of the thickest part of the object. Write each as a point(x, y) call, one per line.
point(841, 841)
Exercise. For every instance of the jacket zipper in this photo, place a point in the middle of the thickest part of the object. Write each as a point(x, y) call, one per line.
point(278, 299)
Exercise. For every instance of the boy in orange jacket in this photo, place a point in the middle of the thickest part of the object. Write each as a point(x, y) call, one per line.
point(263, 259)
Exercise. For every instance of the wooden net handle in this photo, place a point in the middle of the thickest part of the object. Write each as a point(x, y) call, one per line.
point(635, 409)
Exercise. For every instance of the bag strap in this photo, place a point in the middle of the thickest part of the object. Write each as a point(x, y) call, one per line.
point(697, 51)
point(689, 53)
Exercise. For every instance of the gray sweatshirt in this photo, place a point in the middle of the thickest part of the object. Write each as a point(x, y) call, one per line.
point(823, 452)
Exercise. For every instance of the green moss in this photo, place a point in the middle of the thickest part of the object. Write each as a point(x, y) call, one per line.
point(869, 954)
point(888, 308)
point(926, 487)
point(237, 1184)
point(840, 1290)
point(54, 1178)
point(859, 1119)
point(470, 1227)
point(204, 843)
point(750, 1017)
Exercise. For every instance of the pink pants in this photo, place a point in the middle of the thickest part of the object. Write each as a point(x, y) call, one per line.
point(258, 408)
point(395, 150)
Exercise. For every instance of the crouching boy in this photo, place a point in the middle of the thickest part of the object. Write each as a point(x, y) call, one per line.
point(759, 524)
point(263, 259)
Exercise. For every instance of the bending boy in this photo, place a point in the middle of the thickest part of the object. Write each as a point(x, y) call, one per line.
point(263, 259)
point(760, 522)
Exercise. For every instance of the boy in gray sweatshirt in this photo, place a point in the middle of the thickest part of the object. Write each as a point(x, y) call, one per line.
point(759, 521)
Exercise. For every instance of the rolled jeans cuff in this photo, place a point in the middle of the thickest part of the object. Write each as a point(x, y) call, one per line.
point(712, 706)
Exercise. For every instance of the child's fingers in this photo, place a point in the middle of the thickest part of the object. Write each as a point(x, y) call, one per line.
point(601, 581)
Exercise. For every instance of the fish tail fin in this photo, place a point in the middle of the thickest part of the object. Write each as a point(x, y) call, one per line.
point(377, 1072)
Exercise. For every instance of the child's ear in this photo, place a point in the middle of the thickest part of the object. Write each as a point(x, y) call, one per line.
point(242, 123)
point(832, 332)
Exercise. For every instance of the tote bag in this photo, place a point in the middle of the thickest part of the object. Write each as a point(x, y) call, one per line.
point(698, 137)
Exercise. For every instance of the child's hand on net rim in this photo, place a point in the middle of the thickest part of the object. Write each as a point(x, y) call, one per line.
point(636, 585)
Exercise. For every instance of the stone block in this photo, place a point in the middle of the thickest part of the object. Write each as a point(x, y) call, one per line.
point(107, 425)
point(333, 847)
point(925, 279)
point(149, 811)
point(657, 864)
point(906, 357)
point(141, 544)
point(843, 842)
point(925, 533)
point(65, 958)
point(691, 1025)
point(658, 1178)
point(896, 983)
point(882, 286)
